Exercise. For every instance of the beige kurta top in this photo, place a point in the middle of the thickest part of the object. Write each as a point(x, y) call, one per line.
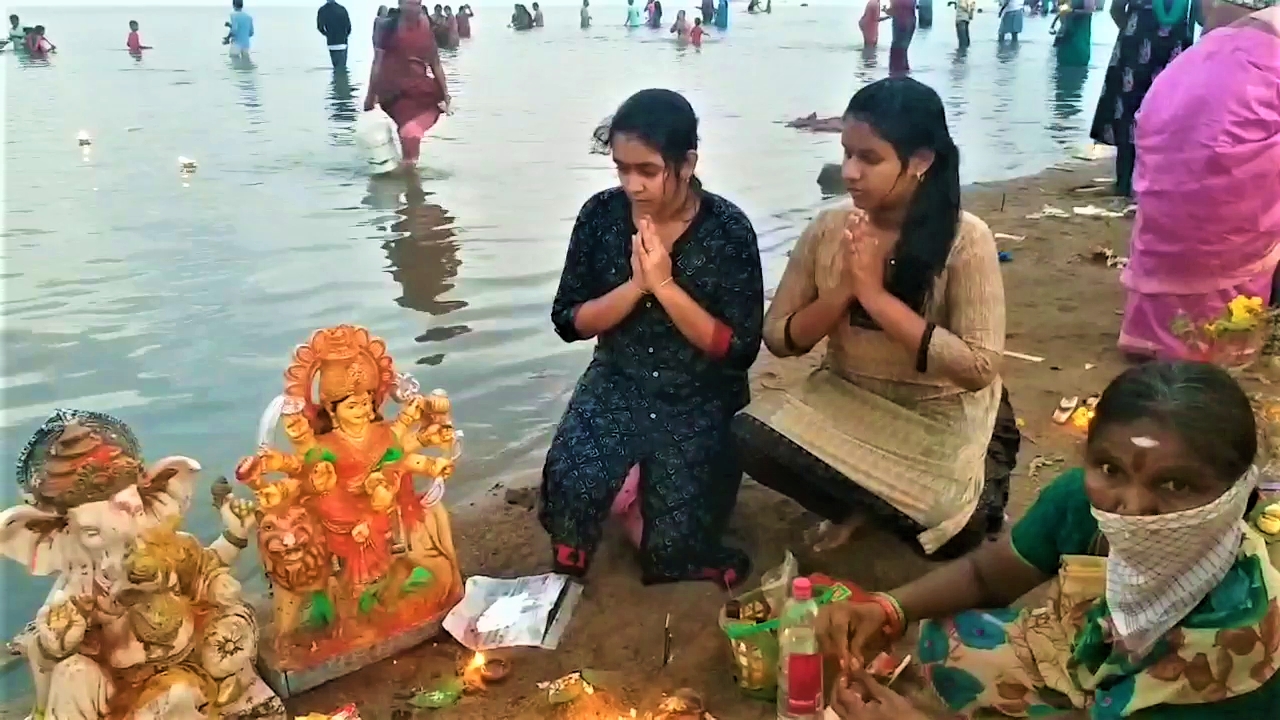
point(916, 440)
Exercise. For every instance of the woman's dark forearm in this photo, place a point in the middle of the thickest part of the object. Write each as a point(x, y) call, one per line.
point(992, 576)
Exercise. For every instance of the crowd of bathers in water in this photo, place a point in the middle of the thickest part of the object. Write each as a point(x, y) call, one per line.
point(447, 26)
point(29, 39)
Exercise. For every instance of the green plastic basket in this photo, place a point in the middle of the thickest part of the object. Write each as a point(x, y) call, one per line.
point(754, 646)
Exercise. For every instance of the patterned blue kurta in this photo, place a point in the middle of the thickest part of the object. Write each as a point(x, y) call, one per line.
point(651, 397)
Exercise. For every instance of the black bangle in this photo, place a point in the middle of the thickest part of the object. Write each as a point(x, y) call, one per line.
point(241, 543)
point(922, 354)
point(787, 340)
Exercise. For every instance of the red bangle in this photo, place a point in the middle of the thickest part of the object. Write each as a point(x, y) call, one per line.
point(895, 619)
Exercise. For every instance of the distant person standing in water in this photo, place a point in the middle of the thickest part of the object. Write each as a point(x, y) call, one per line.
point(239, 29)
point(708, 10)
point(378, 19)
point(449, 36)
point(964, 16)
point(633, 14)
point(16, 34)
point(404, 51)
point(521, 19)
point(869, 24)
point(680, 28)
point(464, 21)
point(37, 44)
point(134, 43)
point(695, 35)
point(538, 20)
point(903, 16)
point(585, 15)
point(334, 24)
point(655, 15)
point(1010, 19)
point(924, 10)
point(722, 15)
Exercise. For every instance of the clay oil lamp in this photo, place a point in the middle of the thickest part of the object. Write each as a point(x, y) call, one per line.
point(481, 671)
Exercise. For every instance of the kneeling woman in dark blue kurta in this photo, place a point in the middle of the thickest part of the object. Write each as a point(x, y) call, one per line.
point(666, 277)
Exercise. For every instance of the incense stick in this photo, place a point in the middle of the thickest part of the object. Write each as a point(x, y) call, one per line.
point(666, 641)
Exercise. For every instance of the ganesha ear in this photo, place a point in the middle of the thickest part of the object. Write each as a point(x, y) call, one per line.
point(36, 538)
point(168, 486)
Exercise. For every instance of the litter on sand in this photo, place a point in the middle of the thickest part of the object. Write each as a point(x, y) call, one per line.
point(1009, 238)
point(1095, 211)
point(1049, 211)
point(1108, 257)
point(1023, 356)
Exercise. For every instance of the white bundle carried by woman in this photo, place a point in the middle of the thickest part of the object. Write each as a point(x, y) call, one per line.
point(379, 141)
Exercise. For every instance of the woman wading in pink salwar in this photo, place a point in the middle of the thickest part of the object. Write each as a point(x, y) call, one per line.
point(1206, 180)
point(407, 80)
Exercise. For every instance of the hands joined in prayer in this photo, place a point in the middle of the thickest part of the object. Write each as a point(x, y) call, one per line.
point(866, 256)
point(650, 261)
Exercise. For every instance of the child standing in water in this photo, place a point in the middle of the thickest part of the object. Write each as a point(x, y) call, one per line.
point(695, 35)
point(134, 43)
point(585, 14)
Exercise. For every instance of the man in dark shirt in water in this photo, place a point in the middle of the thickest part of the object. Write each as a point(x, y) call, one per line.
point(334, 23)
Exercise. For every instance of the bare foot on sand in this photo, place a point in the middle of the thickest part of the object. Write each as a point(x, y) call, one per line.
point(828, 535)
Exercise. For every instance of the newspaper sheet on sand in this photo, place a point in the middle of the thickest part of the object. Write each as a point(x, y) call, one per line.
point(513, 612)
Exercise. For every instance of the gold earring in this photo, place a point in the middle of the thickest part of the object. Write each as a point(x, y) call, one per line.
point(919, 176)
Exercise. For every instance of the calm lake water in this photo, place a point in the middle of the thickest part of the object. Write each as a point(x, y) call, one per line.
point(174, 303)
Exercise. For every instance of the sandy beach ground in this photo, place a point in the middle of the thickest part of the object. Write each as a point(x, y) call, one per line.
point(1063, 307)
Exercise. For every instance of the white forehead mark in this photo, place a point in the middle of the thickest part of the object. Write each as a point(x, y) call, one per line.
point(1144, 442)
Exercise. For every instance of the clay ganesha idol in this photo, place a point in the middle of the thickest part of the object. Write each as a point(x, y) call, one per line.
point(354, 551)
point(143, 622)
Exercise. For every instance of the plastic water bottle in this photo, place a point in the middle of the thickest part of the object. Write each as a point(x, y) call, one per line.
point(800, 695)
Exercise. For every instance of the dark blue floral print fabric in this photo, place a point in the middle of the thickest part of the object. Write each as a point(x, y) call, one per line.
point(651, 397)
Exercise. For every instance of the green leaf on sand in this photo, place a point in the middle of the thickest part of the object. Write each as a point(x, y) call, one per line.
point(445, 693)
point(607, 680)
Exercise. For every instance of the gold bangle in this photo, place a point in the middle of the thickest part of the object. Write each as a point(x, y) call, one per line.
point(664, 282)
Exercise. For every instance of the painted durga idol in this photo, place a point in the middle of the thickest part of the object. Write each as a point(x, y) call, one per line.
point(352, 533)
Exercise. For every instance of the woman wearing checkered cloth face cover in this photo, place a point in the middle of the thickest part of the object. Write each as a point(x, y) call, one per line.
point(1165, 605)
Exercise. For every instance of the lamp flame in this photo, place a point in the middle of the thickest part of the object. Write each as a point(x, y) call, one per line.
point(477, 661)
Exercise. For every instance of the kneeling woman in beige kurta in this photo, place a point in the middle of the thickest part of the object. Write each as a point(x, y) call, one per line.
point(899, 423)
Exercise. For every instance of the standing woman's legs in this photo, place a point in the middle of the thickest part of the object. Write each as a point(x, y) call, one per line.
point(1126, 157)
point(688, 489)
point(584, 470)
point(412, 132)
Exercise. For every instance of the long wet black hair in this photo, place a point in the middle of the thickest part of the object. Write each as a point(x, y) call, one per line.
point(1198, 402)
point(909, 116)
point(661, 119)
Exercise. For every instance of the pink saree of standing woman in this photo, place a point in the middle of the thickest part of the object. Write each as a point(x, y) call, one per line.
point(1206, 182)
point(404, 51)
